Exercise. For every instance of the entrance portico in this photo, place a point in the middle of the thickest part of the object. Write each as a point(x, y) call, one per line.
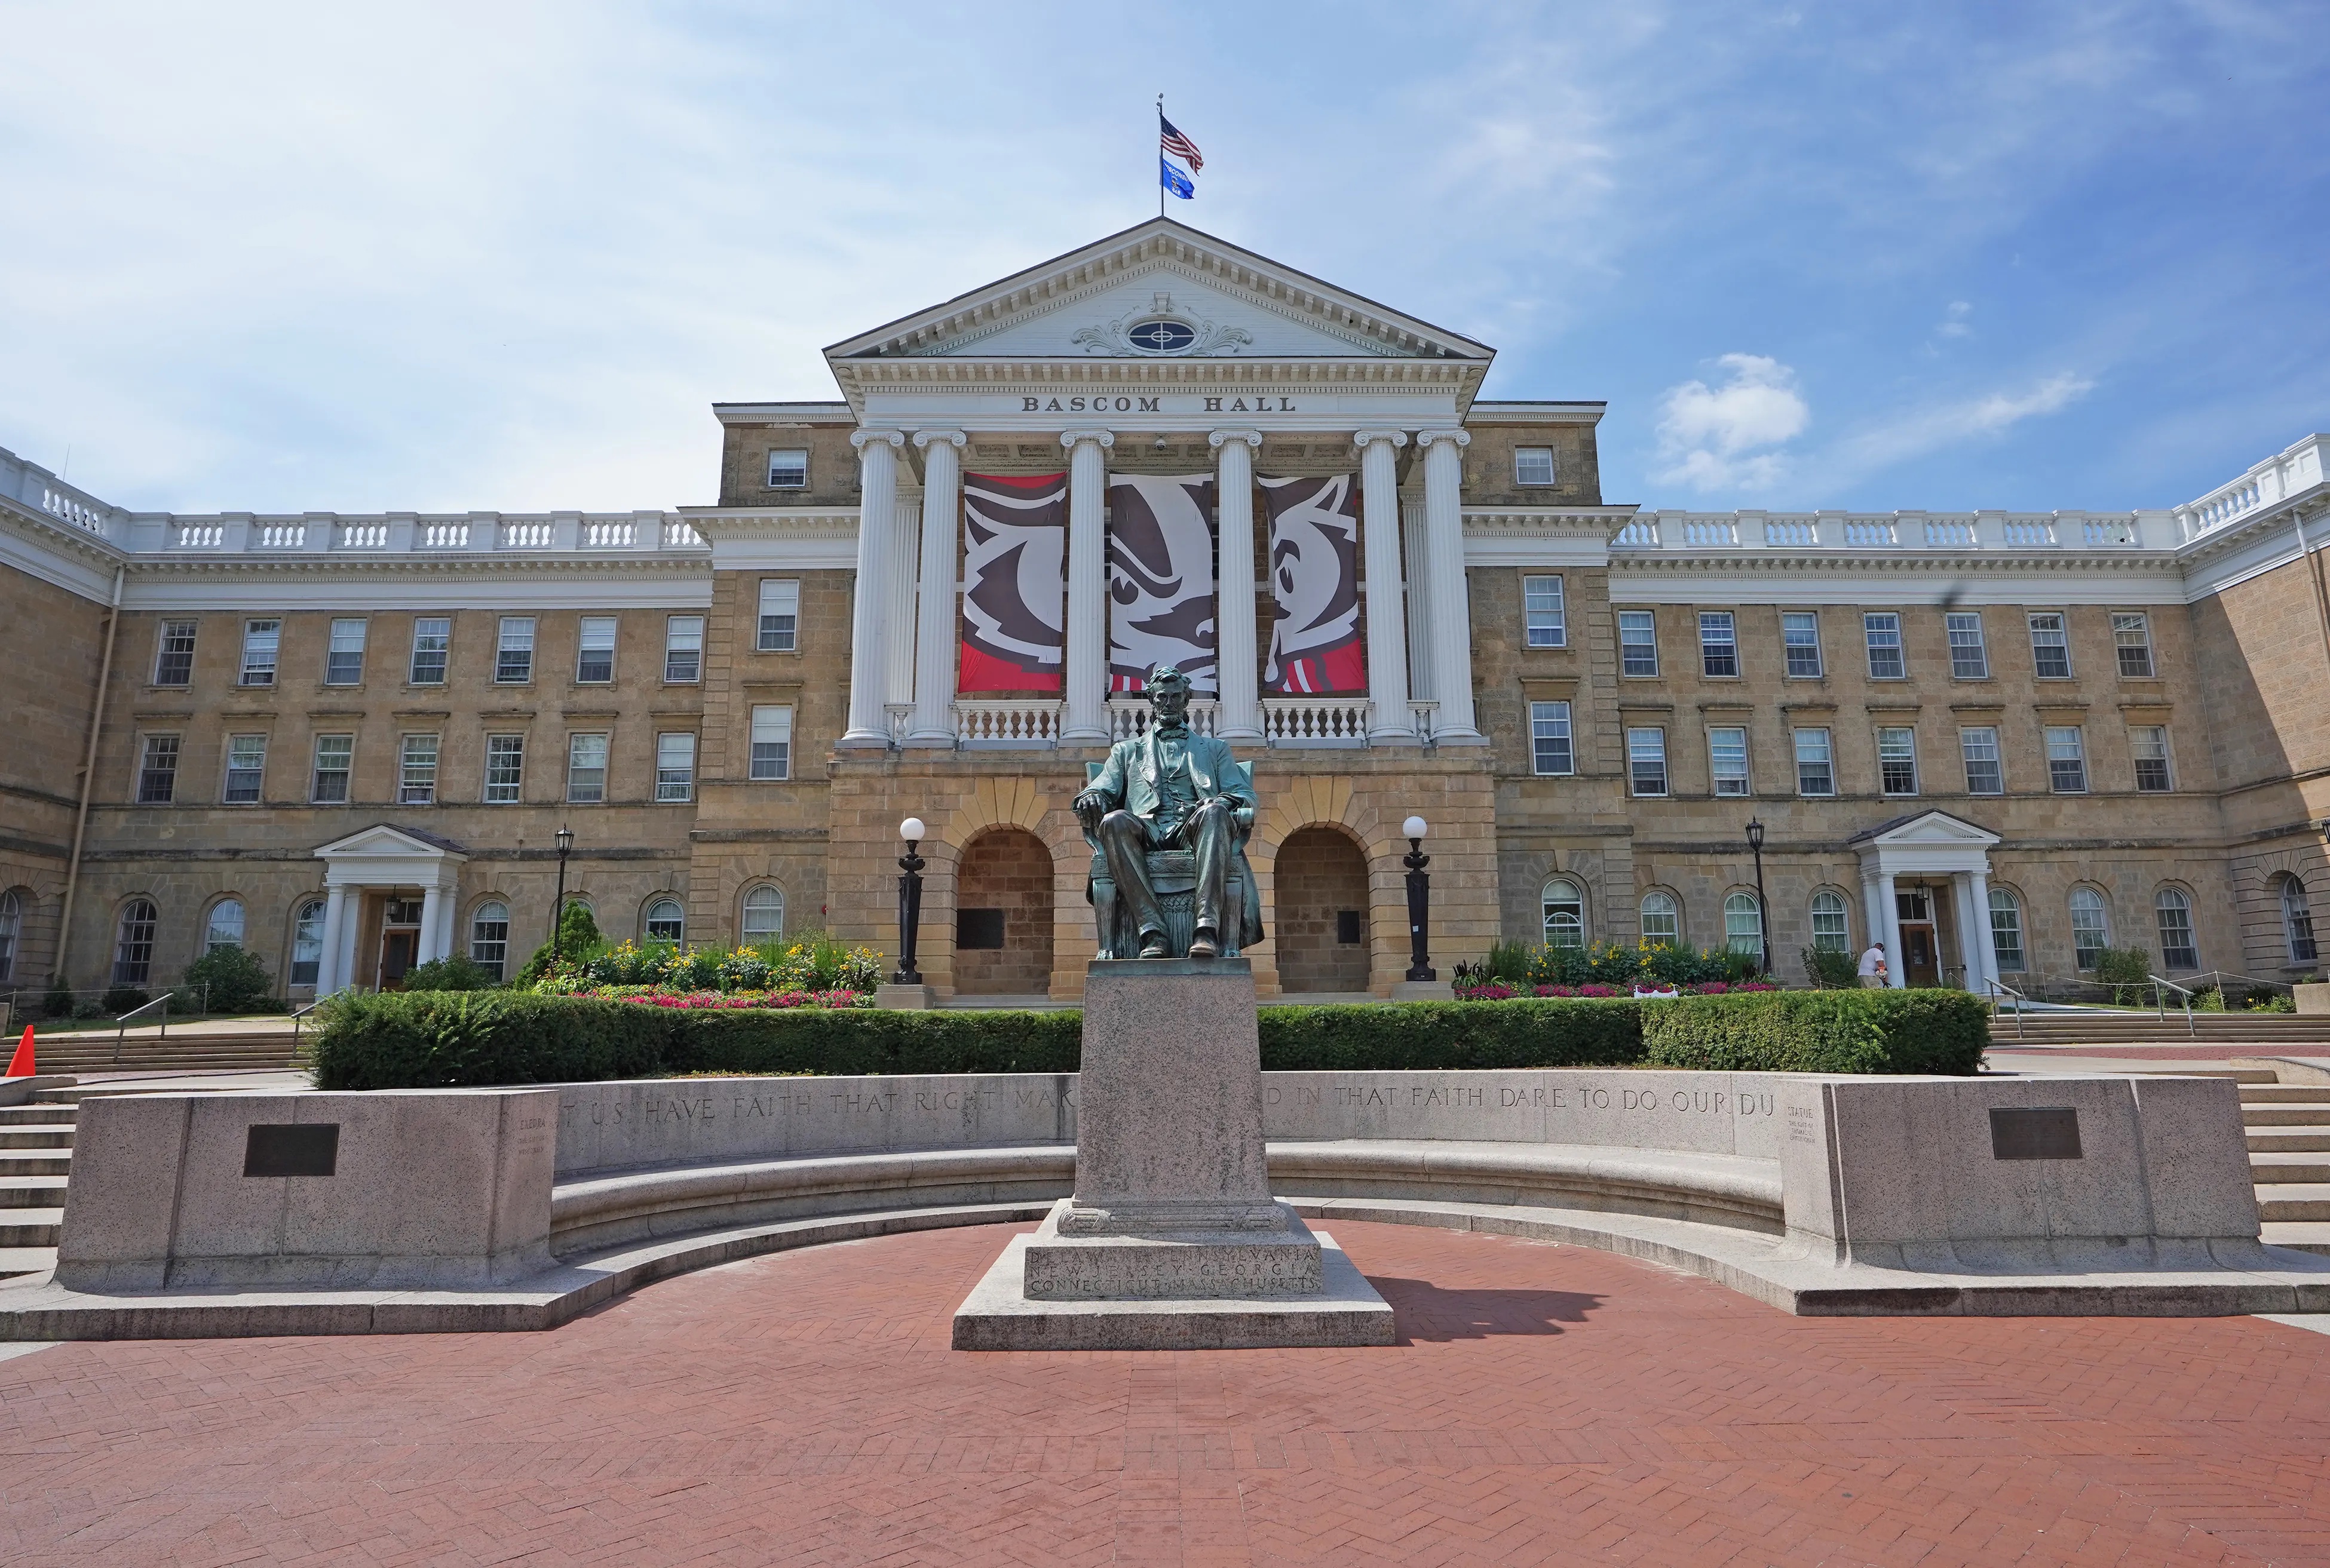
point(1898, 859)
point(390, 867)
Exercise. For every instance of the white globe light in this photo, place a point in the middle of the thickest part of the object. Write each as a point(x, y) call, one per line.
point(1413, 827)
point(911, 829)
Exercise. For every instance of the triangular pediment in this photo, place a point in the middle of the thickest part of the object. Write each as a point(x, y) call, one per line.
point(383, 839)
point(1927, 827)
point(1159, 291)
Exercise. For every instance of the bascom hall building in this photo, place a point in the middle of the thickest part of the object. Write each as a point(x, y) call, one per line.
point(1996, 741)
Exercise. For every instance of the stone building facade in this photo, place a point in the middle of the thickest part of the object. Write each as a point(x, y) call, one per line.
point(1992, 741)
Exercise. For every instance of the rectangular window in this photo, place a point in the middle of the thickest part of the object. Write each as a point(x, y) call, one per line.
point(335, 759)
point(1883, 632)
point(174, 655)
point(246, 766)
point(261, 641)
point(1969, 659)
point(1718, 644)
point(431, 635)
point(1800, 632)
point(1542, 607)
point(1815, 764)
point(779, 615)
point(2066, 760)
point(343, 659)
point(1980, 747)
point(2132, 637)
point(594, 651)
point(157, 771)
point(513, 655)
point(416, 771)
point(675, 767)
point(789, 470)
point(2051, 647)
point(2150, 744)
point(2006, 930)
point(773, 743)
point(2177, 948)
point(504, 768)
point(1549, 742)
point(1638, 643)
point(1727, 754)
point(586, 769)
point(1647, 761)
point(1532, 465)
point(1897, 761)
point(683, 648)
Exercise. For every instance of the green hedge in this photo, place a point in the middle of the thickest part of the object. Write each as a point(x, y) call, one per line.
point(1922, 1031)
point(428, 1040)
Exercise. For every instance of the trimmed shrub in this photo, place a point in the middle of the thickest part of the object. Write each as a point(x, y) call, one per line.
point(1918, 1031)
point(578, 932)
point(450, 1039)
point(120, 999)
point(225, 979)
point(453, 972)
point(845, 1042)
point(1831, 970)
point(1452, 1036)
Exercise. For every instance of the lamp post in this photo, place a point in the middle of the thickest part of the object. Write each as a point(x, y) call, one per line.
point(1763, 914)
point(1419, 901)
point(910, 902)
point(566, 840)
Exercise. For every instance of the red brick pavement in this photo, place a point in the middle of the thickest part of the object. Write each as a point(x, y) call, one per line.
point(1546, 1404)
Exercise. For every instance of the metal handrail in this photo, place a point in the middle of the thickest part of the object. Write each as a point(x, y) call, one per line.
point(119, 1033)
point(2021, 1001)
point(2221, 976)
point(2160, 1003)
point(298, 1014)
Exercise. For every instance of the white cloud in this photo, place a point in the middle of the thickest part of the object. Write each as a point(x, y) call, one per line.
point(1923, 430)
point(1711, 438)
point(1953, 323)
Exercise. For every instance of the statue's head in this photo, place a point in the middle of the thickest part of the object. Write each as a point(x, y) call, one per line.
point(1168, 690)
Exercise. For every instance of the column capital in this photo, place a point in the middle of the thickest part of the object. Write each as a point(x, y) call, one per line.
point(952, 438)
point(861, 439)
point(1071, 440)
point(1365, 438)
point(1220, 437)
point(1424, 438)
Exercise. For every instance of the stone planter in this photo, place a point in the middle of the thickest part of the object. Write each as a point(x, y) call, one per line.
point(2315, 998)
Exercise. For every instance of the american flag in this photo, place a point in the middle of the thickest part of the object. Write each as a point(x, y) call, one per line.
point(1180, 145)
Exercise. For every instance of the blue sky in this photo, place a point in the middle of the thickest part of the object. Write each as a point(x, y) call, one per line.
point(504, 257)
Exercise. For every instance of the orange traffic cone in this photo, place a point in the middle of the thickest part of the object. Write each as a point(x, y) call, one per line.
point(20, 1065)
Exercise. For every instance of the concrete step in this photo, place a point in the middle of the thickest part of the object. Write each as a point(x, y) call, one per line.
point(37, 1134)
point(2284, 1094)
point(41, 1113)
point(2312, 1114)
point(2297, 1201)
point(32, 1192)
point(2281, 1168)
point(30, 1227)
point(2291, 1139)
point(18, 1262)
point(2298, 1235)
point(24, 1162)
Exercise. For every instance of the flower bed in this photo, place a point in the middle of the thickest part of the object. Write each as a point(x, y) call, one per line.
point(805, 972)
point(696, 1001)
point(1499, 991)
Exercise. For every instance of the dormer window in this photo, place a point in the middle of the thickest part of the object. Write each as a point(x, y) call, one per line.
point(1532, 465)
point(789, 470)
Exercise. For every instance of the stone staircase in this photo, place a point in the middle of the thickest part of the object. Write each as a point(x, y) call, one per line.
point(2288, 1127)
point(35, 1156)
point(2099, 1029)
point(179, 1049)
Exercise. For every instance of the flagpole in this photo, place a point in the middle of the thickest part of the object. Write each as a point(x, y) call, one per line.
point(1161, 140)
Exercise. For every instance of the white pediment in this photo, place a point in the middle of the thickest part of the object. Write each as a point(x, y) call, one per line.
point(382, 839)
point(1176, 316)
point(1927, 827)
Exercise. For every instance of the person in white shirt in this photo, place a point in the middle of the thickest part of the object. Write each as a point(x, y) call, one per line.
point(1872, 967)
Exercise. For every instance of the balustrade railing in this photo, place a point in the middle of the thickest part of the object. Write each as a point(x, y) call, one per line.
point(609, 533)
point(1007, 722)
point(1315, 720)
point(278, 536)
point(678, 534)
point(198, 536)
point(361, 536)
point(2031, 532)
point(529, 535)
point(1128, 716)
point(1791, 532)
point(435, 534)
point(1949, 532)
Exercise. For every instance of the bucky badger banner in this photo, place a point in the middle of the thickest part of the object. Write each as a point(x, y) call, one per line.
point(1015, 576)
point(1314, 578)
point(1160, 578)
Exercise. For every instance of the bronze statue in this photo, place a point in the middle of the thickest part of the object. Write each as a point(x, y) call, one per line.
point(1169, 815)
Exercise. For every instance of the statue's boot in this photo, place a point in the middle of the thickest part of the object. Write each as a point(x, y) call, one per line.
point(1154, 945)
point(1206, 944)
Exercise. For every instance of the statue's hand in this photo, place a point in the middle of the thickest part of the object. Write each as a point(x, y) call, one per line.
point(1089, 806)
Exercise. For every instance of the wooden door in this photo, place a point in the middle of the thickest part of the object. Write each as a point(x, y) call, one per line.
point(396, 950)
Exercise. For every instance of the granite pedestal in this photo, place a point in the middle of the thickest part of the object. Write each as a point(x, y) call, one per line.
point(1172, 1239)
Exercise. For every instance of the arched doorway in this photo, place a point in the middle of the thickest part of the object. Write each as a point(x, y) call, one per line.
point(1321, 885)
point(1003, 916)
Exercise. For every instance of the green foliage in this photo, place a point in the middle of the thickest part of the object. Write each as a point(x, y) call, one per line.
point(225, 979)
point(1831, 970)
point(453, 972)
point(449, 1039)
point(2272, 1002)
point(1507, 962)
point(120, 999)
point(855, 1042)
point(1916, 1031)
point(1541, 1032)
point(2209, 999)
point(807, 961)
point(1626, 964)
point(578, 934)
point(57, 1003)
point(2125, 969)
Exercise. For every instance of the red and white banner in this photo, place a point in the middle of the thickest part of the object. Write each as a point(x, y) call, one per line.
point(1314, 581)
point(1160, 578)
point(1015, 575)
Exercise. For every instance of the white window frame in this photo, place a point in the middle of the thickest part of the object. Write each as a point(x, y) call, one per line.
point(1731, 784)
point(514, 651)
point(1791, 624)
point(2014, 961)
point(487, 950)
point(1881, 633)
point(1719, 642)
point(1520, 474)
point(169, 632)
point(262, 651)
point(1545, 611)
point(588, 632)
point(1969, 653)
point(1743, 924)
point(1553, 747)
point(769, 471)
point(744, 920)
point(1567, 911)
point(504, 753)
point(647, 919)
point(1673, 914)
point(2142, 737)
point(2062, 753)
point(1646, 620)
point(345, 755)
point(428, 629)
point(1646, 745)
point(2079, 898)
point(772, 757)
point(416, 781)
point(1830, 906)
point(2297, 923)
point(306, 942)
point(2175, 900)
point(581, 788)
point(675, 768)
point(1884, 787)
point(158, 757)
point(2124, 622)
point(1825, 744)
point(229, 935)
point(683, 638)
point(1970, 736)
point(779, 630)
point(2061, 631)
point(240, 761)
point(342, 642)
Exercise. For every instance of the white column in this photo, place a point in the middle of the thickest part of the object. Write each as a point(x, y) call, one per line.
point(329, 977)
point(1416, 556)
point(1896, 971)
point(898, 620)
point(1240, 718)
point(1978, 894)
point(934, 722)
point(1450, 598)
point(1085, 721)
point(1391, 722)
point(433, 908)
point(877, 507)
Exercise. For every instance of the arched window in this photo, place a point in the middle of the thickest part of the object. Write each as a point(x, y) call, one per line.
point(2175, 911)
point(1564, 914)
point(764, 914)
point(1661, 920)
point(2090, 932)
point(1743, 925)
point(1831, 932)
point(225, 928)
point(307, 941)
point(2006, 930)
point(490, 936)
point(133, 945)
point(12, 926)
point(666, 920)
point(2297, 921)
